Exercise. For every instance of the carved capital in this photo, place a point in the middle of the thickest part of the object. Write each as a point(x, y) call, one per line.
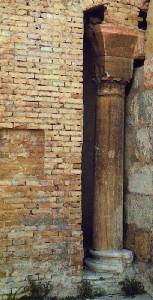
point(114, 47)
point(110, 88)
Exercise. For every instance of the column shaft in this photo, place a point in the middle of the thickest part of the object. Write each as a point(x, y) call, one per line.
point(108, 201)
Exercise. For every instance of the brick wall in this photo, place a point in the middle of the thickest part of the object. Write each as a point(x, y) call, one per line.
point(41, 125)
point(40, 143)
point(119, 12)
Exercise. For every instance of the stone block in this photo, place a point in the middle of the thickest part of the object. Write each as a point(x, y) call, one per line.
point(140, 106)
point(140, 180)
point(142, 245)
point(132, 109)
point(144, 143)
point(142, 138)
point(148, 72)
point(139, 241)
point(130, 235)
point(139, 210)
point(146, 107)
point(138, 79)
point(140, 46)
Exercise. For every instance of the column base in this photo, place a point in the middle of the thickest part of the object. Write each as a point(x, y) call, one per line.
point(110, 261)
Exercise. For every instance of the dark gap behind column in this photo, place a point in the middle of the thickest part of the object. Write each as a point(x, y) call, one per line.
point(93, 16)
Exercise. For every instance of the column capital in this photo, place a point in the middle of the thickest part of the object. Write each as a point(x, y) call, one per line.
point(114, 47)
point(110, 87)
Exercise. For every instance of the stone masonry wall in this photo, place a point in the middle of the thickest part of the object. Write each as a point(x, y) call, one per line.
point(139, 169)
point(139, 156)
point(41, 124)
point(139, 163)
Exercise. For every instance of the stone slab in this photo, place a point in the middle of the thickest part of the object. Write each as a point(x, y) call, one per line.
point(116, 297)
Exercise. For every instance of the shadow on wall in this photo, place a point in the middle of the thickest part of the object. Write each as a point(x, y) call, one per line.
point(88, 145)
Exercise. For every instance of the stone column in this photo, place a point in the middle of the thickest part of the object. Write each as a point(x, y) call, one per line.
point(108, 201)
point(114, 48)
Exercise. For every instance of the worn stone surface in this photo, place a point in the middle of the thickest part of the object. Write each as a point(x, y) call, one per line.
point(139, 167)
point(140, 180)
point(148, 81)
point(145, 274)
point(107, 283)
point(143, 245)
point(139, 203)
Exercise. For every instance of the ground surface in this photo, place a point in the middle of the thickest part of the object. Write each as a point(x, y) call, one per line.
point(141, 297)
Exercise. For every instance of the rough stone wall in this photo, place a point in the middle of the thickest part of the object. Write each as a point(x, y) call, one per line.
point(139, 156)
point(139, 163)
point(40, 143)
point(139, 170)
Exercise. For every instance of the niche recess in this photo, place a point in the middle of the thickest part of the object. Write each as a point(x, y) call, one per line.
point(22, 168)
point(94, 16)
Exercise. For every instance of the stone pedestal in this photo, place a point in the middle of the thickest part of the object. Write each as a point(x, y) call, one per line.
point(110, 261)
point(114, 49)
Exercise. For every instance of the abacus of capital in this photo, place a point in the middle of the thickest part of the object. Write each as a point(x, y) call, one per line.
point(114, 56)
